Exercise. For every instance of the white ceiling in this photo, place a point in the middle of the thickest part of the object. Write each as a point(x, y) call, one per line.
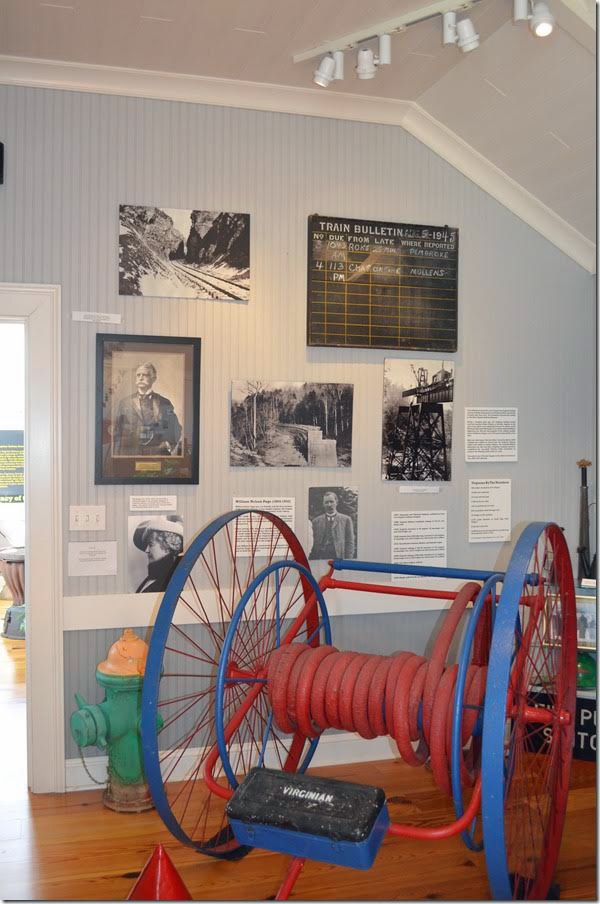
point(526, 106)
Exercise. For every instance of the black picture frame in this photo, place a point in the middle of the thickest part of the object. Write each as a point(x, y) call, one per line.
point(153, 440)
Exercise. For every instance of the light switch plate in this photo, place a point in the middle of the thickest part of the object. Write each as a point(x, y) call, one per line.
point(87, 517)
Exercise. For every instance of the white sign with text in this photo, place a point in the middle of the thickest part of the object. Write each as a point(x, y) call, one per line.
point(490, 434)
point(419, 538)
point(257, 537)
point(153, 503)
point(489, 511)
point(90, 559)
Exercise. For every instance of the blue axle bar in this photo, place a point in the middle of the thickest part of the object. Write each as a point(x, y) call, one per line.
point(422, 570)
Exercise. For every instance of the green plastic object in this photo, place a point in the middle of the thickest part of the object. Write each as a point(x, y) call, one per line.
point(586, 670)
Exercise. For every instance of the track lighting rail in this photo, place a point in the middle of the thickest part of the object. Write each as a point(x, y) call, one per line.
point(454, 31)
point(391, 26)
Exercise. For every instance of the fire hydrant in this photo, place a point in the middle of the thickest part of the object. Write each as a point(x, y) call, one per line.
point(115, 723)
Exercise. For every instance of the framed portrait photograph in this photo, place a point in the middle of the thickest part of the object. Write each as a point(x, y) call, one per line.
point(586, 622)
point(585, 617)
point(147, 409)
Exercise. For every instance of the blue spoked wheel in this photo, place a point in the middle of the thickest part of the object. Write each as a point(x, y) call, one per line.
point(529, 717)
point(178, 724)
point(266, 747)
point(474, 651)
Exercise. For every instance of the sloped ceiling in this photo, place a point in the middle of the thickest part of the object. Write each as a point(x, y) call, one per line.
point(518, 115)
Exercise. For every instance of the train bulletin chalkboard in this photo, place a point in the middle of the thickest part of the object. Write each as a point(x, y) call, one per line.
point(382, 285)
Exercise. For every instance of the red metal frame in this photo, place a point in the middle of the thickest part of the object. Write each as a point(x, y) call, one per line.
point(440, 832)
point(393, 591)
point(294, 869)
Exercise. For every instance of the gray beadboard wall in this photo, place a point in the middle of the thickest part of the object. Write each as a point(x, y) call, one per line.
point(526, 311)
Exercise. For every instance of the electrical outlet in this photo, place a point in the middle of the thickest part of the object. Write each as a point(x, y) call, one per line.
point(87, 517)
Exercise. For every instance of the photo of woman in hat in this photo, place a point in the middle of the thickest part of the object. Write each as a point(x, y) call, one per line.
point(160, 537)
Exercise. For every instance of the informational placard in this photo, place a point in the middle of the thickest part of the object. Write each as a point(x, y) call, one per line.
point(417, 488)
point(419, 538)
point(96, 317)
point(382, 285)
point(88, 559)
point(489, 511)
point(153, 503)
point(490, 434)
point(256, 536)
point(12, 461)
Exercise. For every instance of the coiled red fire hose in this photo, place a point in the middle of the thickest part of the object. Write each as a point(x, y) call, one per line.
point(314, 688)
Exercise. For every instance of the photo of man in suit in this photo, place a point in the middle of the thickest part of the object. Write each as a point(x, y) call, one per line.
point(146, 422)
point(333, 532)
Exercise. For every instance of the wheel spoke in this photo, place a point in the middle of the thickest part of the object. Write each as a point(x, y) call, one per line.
point(236, 586)
point(181, 712)
point(218, 638)
point(182, 634)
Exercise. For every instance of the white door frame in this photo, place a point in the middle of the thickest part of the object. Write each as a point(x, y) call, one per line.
point(38, 306)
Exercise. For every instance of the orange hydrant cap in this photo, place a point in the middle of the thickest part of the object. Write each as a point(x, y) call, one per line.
point(127, 656)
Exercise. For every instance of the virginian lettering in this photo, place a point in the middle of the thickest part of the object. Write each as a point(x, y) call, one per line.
point(303, 794)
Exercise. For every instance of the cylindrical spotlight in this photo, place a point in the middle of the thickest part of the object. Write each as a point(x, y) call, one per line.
point(520, 10)
point(385, 50)
point(468, 39)
point(449, 28)
point(542, 20)
point(338, 57)
point(325, 72)
point(365, 64)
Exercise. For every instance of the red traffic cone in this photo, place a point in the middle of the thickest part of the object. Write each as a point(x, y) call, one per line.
point(159, 880)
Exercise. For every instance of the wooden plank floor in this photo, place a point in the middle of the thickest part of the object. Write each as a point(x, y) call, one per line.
point(61, 847)
point(70, 847)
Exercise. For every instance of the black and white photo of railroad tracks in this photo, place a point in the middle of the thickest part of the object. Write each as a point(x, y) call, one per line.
point(178, 253)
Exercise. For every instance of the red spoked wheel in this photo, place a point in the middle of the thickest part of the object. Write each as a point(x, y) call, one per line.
point(178, 702)
point(529, 717)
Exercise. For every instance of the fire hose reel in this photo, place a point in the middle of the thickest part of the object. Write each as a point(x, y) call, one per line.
point(244, 676)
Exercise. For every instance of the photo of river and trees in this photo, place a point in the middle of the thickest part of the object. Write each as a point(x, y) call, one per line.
point(291, 424)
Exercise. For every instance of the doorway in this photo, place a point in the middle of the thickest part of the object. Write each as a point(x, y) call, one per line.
point(38, 308)
point(13, 756)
